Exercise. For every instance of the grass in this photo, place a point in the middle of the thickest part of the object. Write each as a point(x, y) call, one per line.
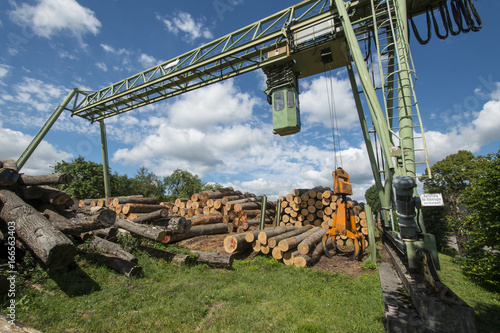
point(261, 295)
point(486, 304)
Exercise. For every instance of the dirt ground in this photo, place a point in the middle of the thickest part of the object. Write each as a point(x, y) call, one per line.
point(340, 263)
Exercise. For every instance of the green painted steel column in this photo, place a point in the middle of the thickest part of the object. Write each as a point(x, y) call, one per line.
point(278, 213)
point(404, 92)
point(263, 212)
point(371, 233)
point(44, 130)
point(376, 111)
point(105, 164)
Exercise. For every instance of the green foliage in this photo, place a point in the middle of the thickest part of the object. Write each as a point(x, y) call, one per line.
point(182, 184)
point(373, 199)
point(368, 264)
point(437, 224)
point(450, 176)
point(148, 184)
point(88, 180)
point(482, 223)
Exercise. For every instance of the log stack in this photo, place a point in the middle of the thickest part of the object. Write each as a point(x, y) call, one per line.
point(299, 246)
point(317, 207)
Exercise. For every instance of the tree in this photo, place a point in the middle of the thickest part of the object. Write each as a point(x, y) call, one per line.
point(147, 184)
point(450, 176)
point(88, 179)
point(482, 223)
point(373, 199)
point(183, 184)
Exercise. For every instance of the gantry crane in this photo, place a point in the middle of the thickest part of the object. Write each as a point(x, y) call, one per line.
point(308, 38)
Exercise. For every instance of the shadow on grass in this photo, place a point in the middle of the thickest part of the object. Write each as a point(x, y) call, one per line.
point(487, 316)
point(73, 281)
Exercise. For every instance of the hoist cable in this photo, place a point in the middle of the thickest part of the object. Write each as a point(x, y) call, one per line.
point(436, 26)
point(333, 119)
point(415, 30)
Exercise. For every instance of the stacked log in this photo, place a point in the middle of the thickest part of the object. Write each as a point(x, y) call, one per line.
point(299, 246)
point(317, 207)
point(226, 205)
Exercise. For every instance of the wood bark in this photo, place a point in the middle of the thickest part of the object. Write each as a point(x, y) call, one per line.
point(50, 245)
point(177, 225)
point(288, 257)
point(265, 234)
point(8, 172)
point(53, 195)
point(302, 260)
point(206, 219)
point(77, 223)
point(140, 208)
point(104, 246)
point(234, 243)
point(292, 242)
point(148, 232)
point(52, 179)
point(15, 327)
point(179, 259)
point(125, 267)
point(134, 199)
point(210, 229)
point(214, 259)
point(273, 241)
point(310, 242)
point(149, 217)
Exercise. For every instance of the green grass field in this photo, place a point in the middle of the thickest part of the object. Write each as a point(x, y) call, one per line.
point(259, 295)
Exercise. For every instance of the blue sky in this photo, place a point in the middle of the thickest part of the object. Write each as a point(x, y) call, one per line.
point(222, 132)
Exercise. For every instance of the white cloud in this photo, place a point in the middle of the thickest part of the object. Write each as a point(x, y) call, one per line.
point(13, 144)
point(190, 28)
point(4, 70)
point(39, 95)
point(50, 17)
point(219, 103)
point(102, 66)
point(110, 49)
point(482, 130)
point(148, 61)
point(315, 102)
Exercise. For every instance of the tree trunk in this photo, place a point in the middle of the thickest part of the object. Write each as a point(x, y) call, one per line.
point(288, 257)
point(125, 267)
point(53, 195)
point(210, 229)
point(50, 245)
point(8, 172)
point(177, 225)
point(273, 241)
point(79, 223)
point(15, 326)
point(104, 246)
point(233, 243)
point(156, 215)
point(134, 199)
point(179, 259)
point(206, 219)
point(267, 233)
point(148, 232)
point(302, 260)
point(310, 242)
point(214, 259)
point(140, 208)
point(52, 179)
point(290, 243)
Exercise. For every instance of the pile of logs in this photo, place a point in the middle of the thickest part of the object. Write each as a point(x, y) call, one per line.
point(51, 225)
point(206, 211)
point(239, 211)
point(299, 246)
point(317, 207)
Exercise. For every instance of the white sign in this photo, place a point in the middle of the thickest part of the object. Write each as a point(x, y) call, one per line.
point(432, 199)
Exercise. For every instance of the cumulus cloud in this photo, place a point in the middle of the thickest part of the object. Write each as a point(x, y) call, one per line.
point(13, 143)
point(148, 61)
point(50, 17)
point(319, 95)
point(190, 28)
